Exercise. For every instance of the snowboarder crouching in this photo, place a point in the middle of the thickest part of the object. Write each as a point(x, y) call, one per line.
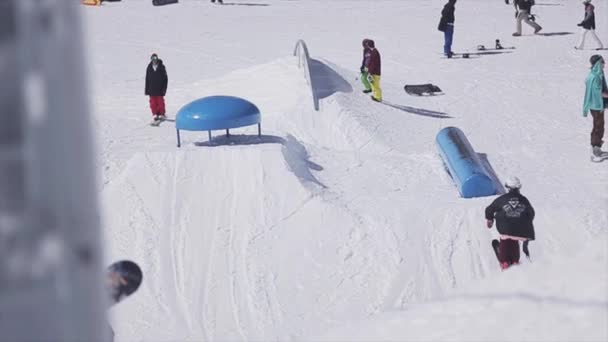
point(514, 215)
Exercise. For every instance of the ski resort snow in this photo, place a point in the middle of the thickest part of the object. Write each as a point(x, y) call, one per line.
point(342, 224)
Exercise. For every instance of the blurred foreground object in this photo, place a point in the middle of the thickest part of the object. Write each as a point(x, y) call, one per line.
point(50, 274)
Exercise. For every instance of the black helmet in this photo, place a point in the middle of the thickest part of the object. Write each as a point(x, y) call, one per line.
point(595, 58)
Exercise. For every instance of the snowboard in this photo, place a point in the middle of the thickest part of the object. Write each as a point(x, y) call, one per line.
point(462, 55)
point(497, 46)
point(599, 159)
point(426, 89)
point(163, 2)
point(495, 246)
point(155, 123)
point(123, 279)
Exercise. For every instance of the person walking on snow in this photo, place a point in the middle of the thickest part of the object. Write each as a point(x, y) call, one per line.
point(156, 86)
point(588, 26)
point(523, 9)
point(364, 72)
point(595, 101)
point(514, 215)
point(446, 25)
point(373, 68)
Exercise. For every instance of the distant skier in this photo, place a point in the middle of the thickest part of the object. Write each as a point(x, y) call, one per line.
point(595, 101)
point(156, 86)
point(364, 72)
point(373, 68)
point(446, 25)
point(514, 215)
point(588, 26)
point(523, 10)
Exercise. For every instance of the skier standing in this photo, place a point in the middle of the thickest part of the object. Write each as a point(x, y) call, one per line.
point(364, 72)
point(595, 101)
point(523, 9)
point(514, 215)
point(156, 86)
point(373, 68)
point(446, 25)
point(588, 26)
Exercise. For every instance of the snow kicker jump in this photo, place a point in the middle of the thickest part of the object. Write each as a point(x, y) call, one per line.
point(464, 165)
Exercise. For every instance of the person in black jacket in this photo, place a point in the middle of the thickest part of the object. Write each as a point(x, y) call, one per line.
point(588, 25)
point(514, 215)
point(156, 86)
point(446, 25)
point(523, 10)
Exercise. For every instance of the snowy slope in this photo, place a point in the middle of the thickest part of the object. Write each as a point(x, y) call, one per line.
point(346, 214)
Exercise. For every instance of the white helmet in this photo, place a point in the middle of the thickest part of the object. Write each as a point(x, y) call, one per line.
point(512, 183)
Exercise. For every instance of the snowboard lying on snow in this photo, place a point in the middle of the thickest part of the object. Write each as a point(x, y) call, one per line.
point(426, 89)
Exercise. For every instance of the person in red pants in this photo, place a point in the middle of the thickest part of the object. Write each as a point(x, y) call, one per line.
point(514, 215)
point(156, 86)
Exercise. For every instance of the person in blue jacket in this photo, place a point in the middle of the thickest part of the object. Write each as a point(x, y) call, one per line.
point(595, 102)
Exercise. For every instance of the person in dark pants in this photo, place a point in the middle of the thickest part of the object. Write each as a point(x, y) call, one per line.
point(595, 101)
point(156, 86)
point(219, 1)
point(446, 25)
point(514, 215)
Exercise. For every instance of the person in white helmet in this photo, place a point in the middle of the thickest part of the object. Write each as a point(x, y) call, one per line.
point(514, 215)
point(588, 26)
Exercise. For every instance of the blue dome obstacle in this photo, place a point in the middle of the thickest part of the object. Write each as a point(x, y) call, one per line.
point(465, 166)
point(217, 112)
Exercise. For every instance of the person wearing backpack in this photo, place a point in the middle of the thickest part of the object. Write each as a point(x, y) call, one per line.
point(523, 9)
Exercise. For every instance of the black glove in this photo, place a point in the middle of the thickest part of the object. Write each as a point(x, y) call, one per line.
point(579, 24)
point(362, 69)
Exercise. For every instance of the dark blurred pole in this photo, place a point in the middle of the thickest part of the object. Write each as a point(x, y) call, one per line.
point(50, 273)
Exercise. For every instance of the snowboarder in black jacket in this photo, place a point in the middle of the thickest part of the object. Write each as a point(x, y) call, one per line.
point(156, 86)
point(446, 25)
point(588, 26)
point(514, 215)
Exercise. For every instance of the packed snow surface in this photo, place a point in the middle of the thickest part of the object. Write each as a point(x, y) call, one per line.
point(343, 224)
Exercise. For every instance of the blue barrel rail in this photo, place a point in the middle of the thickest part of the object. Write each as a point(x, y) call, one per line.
point(464, 165)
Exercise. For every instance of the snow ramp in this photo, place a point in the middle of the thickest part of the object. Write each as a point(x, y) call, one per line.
point(239, 239)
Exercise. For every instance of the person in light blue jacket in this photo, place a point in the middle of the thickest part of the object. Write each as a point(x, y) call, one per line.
point(594, 102)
